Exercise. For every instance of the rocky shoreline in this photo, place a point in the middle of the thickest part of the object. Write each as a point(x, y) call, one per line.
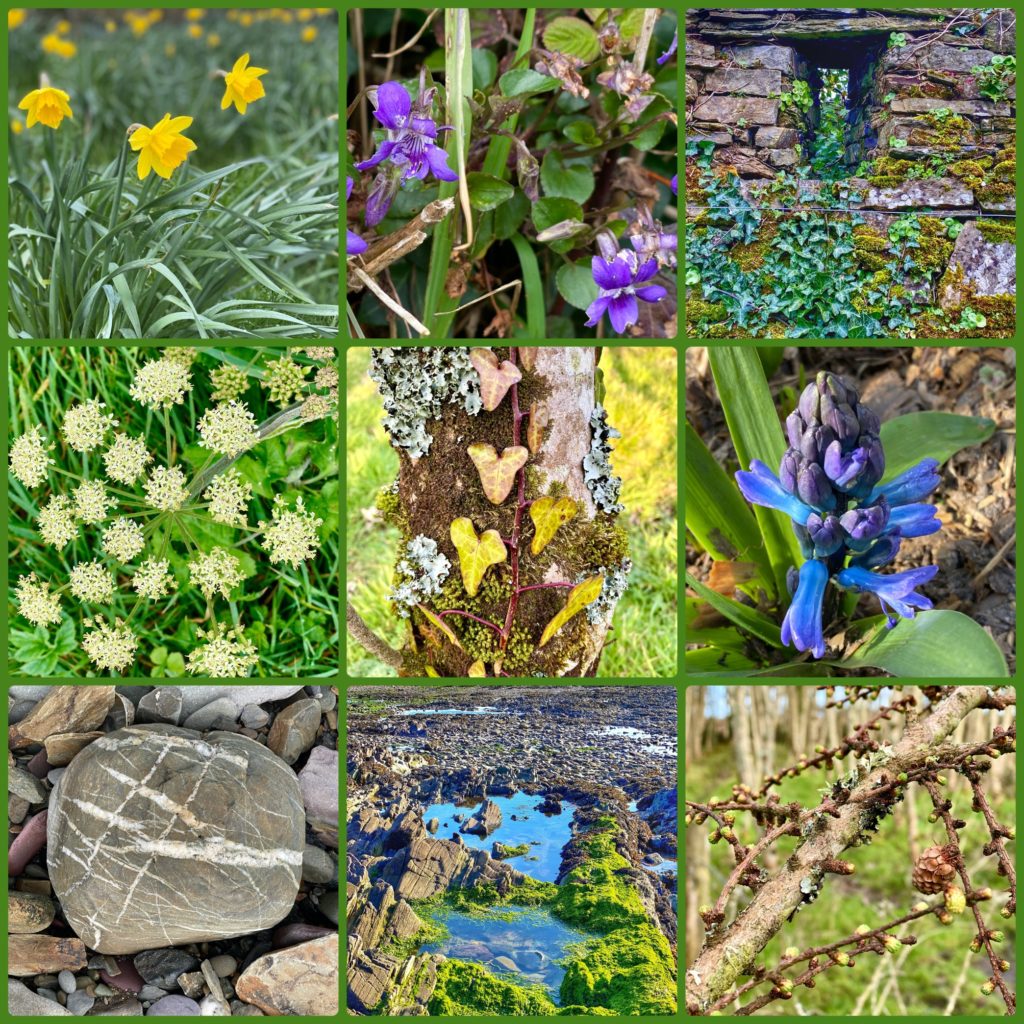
point(606, 756)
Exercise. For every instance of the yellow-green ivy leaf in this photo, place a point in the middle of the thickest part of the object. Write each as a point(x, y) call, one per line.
point(476, 554)
point(579, 597)
point(431, 671)
point(535, 426)
point(528, 357)
point(497, 473)
point(435, 620)
point(477, 670)
point(495, 379)
point(548, 515)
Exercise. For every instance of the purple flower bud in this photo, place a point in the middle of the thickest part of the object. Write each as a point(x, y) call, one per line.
point(795, 428)
point(813, 487)
point(815, 441)
point(792, 579)
point(882, 552)
point(869, 422)
point(844, 470)
point(809, 402)
point(865, 524)
point(841, 418)
point(788, 469)
point(826, 534)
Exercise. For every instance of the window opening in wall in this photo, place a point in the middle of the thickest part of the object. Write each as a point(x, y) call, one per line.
point(827, 146)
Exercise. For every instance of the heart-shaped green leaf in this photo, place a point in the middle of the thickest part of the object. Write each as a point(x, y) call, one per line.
point(935, 644)
point(579, 597)
point(497, 474)
point(476, 554)
point(434, 620)
point(548, 515)
point(495, 379)
point(487, 192)
point(477, 670)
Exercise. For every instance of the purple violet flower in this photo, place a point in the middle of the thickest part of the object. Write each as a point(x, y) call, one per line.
point(675, 184)
point(672, 49)
point(353, 244)
point(618, 280)
point(411, 134)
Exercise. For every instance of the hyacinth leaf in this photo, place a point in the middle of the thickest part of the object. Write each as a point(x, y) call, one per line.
point(476, 554)
point(438, 624)
point(705, 661)
point(756, 434)
point(535, 425)
point(548, 515)
point(579, 597)
point(528, 357)
point(929, 435)
point(717, 516)
point(497, 473)
point(754, 622)
point(477, 670)
point(495, 378)
point(940, 644)
point(431, 672)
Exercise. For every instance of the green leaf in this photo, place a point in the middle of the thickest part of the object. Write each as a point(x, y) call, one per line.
point(487, 192)
point(572, 36)
point(652, 133)
point(476, 554)
point(753, 621)
point(934, 644)
point(717, 515)
point(576, 284)
point(435, 621)
point(572, 180)
point(756, 434)
point(935, 435)
point(630, 23)
point(582, 133)
point(485, 68)
point(548, 515)
point(549, 211)
point(525, 82)
point(509, 217)
point(712, 661)
point(579, 597)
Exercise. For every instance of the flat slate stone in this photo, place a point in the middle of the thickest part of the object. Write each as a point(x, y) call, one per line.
point(63, 709)
point(744, 83)
point(161, 705)
point(294, 729)
point(319, 782)
point(987, 268)
point(215, 715)
point(23, 1002)
point(195, 697)
point(298, 981)
point(159, 837)
point(730, 109)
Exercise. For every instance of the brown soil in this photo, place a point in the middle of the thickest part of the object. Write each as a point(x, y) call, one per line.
point(977, 496)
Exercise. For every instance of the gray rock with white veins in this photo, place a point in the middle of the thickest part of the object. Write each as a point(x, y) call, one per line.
point(154, 831)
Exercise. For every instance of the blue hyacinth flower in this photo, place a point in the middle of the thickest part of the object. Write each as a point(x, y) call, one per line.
point(760, 486)
point(917, 520)
point(896, 592)
point(802, 625)
point(911, 485)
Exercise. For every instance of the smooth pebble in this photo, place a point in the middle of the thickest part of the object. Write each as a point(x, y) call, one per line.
point(66, 980)
point(223, 966)
point(174, 1006)
point(80, 1003)
point(210, 1007)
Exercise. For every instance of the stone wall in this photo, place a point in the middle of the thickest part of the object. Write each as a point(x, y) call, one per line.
point(913, 102)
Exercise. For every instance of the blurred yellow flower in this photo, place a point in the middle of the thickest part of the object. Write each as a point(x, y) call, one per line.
point(195, 14)
point(138, 23)
point(170, 50)
point(110, 26)
point(305, 14)
point(162, 148)
point(242, 85)
point(245, 19)
point(309, 33)
point(16, 17)
point(195, 32)
point(16, 126)
point(53, 43)
point(232, 15)
point(63, 27)
point(47, 106)
point(213, 39)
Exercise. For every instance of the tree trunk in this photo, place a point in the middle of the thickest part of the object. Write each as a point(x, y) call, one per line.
point(741, 735)
point(695, 698)
point(542, 415)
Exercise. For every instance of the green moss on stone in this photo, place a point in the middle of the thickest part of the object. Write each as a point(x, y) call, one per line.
point(870, 248)
point(469, 990)
point(994, 192)
point(997, 231)
point(935, 246)
point(698, 309)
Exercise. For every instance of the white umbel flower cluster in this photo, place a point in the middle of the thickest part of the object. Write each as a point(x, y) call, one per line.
point(152, 580)
point(35, 601)
point(216, 572)
point(110, 647)
point(166, 488)
point(30, 458)
point(229, 428)
point(91, 501)
point(123, 539)
point(226, 653)
point(228, 495)
point(161, 383)
point(86, 424)
point(90, 581)
point(56, 522)
point(292, 536)
point(126, 458)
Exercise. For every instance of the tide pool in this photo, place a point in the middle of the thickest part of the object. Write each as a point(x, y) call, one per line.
point(545, 834)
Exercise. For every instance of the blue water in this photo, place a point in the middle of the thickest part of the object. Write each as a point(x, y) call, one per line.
point(529, 945)
point(452, 711)
point(545, 834)
point(667, 865)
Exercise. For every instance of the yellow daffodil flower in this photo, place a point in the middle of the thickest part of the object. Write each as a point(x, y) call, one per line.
point(245, 19)
point(47, 106)
point(63, 27)
point(242, 85)
point(195, 14)
point(309, 33)
point(213, 39)
point(110, 26)
point(16, 126)
point(195, 31)
point(162, 148)
point(16, 17)
point(53, 43)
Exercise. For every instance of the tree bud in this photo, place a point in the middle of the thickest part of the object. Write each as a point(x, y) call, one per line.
point(941, 779)
point(1006, 912)
point(945, 917)
point(892, 944)
point(956, 901)
point(786, 985)
point(729, 818)
point(919, 906)
point(996, 936)
point(842, 959)
point(790, 952)
point(862, 929)
point(902, 777)
point(704, 910)
point(988, 988)
point(933, 817)
point(983, 894)
point(727, 833)
point(715, 836)
point(1004, 965)
point(1011, 832)
point(975, 945)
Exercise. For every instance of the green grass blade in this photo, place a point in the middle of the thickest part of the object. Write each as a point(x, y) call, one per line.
point(536, 321)
point(754, 622)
